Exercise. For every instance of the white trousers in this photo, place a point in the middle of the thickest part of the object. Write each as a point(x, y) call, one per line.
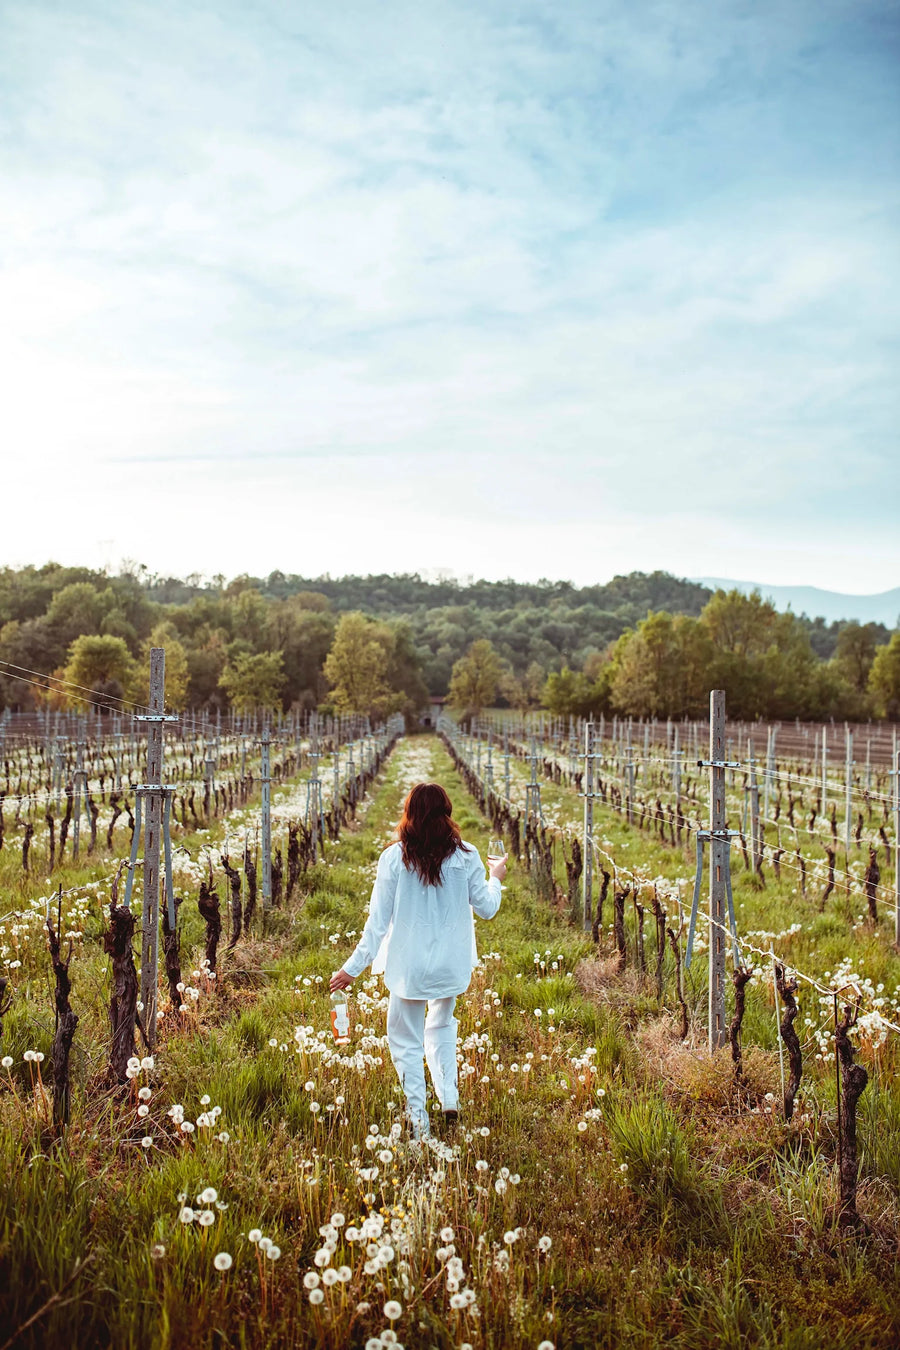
point(413, 1037)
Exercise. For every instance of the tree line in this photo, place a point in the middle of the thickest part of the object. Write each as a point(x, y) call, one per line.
point(647, 644)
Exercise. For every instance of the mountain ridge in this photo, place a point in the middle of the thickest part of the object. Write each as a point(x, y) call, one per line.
point(815, 602)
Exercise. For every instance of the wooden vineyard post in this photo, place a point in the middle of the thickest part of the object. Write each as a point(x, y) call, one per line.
point(848, 804)
point(897, 848)
point(533, 808)
point(266, 781)
point(587, 875)
point(209, 782)
point(755, 841)
point(767, 778)
point(314, 805)
point(58, 771)
point(676, 781)
point(719, 859)
point(629, 785)
point(152, 834)
point(79, 783)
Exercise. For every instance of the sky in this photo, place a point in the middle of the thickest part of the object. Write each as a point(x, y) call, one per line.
point(506, 289)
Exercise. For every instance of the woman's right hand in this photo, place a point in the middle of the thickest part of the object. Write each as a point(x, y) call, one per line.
point(498, 869)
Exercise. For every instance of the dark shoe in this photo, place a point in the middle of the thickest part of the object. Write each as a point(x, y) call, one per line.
point(451, 1118)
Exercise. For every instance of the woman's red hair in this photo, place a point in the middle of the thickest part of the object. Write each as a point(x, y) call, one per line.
point(427, 832)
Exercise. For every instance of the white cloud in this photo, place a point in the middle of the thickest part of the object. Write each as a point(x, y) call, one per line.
point(597, 263)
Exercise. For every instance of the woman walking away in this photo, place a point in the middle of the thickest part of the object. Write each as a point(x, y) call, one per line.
point(421, 933)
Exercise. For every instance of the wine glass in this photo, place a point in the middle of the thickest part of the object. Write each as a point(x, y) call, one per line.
point(496, 852)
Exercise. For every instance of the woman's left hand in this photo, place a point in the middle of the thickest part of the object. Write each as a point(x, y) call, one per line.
point(340, 980)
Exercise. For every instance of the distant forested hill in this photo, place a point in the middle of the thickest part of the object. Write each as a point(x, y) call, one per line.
point(628, 597)
point(542, 623)
point(270, 638)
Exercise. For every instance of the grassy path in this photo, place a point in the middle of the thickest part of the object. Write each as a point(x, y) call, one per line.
point(600, 1191)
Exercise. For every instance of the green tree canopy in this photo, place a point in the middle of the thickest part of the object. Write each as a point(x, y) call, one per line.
point(254, 681)
point(76, 610)
point(404, 672)
point(856, 647)
point(476, 678)
point(525, 691)
point(357, 666)
point(762, 659)
point(101, 666)
point(884, 678)
point(568, 693)
point(303, 635)
point(662, 668)
point(207, 656)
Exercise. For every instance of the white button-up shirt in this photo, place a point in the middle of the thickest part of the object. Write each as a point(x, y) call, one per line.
point(423, 937)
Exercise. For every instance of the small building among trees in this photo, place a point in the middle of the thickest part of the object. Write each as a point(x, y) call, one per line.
point(428, 716)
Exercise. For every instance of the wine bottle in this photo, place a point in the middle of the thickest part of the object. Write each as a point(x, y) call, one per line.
point(340, 1017)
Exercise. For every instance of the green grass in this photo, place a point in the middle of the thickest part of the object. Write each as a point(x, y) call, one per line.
point(679, 1215)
